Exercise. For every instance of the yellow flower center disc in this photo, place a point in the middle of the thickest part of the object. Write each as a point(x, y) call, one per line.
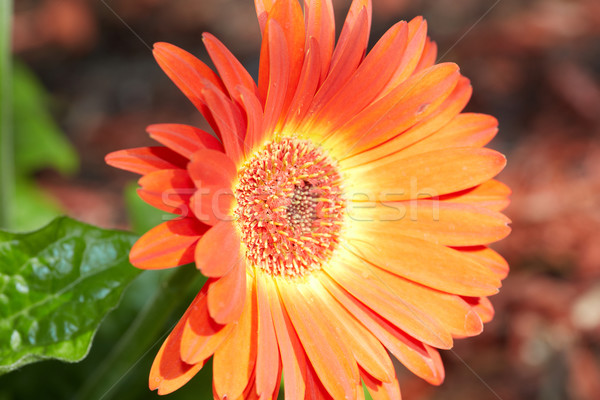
point(289, 207)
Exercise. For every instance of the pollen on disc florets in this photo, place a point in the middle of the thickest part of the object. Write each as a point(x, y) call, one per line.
point(289, 207)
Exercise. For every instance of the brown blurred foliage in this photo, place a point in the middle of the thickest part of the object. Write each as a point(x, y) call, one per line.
point(534, 64)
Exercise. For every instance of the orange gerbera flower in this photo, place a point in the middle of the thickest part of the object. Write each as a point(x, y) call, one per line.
point(344, 209)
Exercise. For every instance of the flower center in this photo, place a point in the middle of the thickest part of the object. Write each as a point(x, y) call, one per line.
point(289, 207)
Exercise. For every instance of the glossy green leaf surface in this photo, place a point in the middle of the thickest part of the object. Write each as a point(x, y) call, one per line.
point(56, 286)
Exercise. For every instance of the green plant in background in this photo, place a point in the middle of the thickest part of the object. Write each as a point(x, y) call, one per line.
point(38, 144)
point(31, 142)
point(58, 283)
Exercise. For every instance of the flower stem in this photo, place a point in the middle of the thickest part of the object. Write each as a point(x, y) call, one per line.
point(142, 335)
point(6, 135)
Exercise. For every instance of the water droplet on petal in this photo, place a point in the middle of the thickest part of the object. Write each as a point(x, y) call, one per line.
point(422, 108)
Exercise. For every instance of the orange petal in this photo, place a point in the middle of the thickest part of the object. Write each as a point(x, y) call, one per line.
point(417, 38)
point(405, 142)
point(262, 12)
point(168, 190)
point(432, 174)
point(218, 251)
point(289, 16)
point(491, 194)
point(432, 265)
point(314, 387)
point(227, 294)
point(210, 168)
point(358, 20)
point(267, 359)
point(144, 160)
point(293, 357)
point(465, 130)
point(287, 55)
point(367, 350)
point(183, 139)
point(234, 360)
point(381, 390)
point(428, 57)
point(273, 75)
point(487, 257)
point(254, 116)
point(189, 74)
point(440, 222)
point(331, 358)
point(379, 66)
point(413, 101)
point(320, 26)
point(250, 391)
point(201, 334)
point(212, 205)
point(228, 118)
point(412, 353)
point(437, 364)
point(169, 372)
point(362, 282)
point(482, 306)
point(231, 71)
point(450, 311)
point(213, 173)
point(167, 245)
point(346, 58)
point(360, 391)
point(307, 86)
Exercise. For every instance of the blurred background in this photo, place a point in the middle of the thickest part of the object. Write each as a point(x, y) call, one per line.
point(85, 84)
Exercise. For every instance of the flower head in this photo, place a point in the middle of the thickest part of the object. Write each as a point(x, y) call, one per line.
point(343, 211)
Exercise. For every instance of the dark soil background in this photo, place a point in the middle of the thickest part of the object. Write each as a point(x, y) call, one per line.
point(534, 64)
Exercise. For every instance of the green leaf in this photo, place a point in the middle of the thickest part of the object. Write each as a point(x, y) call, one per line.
point(39, 143)
point(56, 286)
